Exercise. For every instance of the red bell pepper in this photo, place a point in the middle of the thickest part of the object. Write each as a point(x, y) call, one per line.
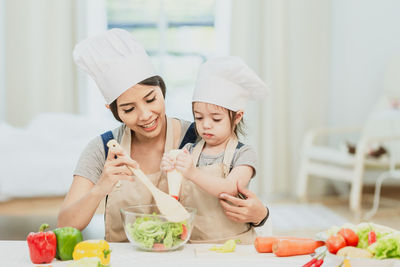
point(42, 245)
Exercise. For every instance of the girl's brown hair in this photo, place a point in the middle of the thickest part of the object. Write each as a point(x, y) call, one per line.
point(152, 81)
point(238, 128)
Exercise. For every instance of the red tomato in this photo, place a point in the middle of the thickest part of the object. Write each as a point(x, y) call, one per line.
point(334, 243)
point(184, 232)
point(158, 246)
point(350, 236)
point(371, 237)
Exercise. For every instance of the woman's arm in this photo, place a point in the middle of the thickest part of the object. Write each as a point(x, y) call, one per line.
point(79, 204)
point(250, 209)
point(84, 196)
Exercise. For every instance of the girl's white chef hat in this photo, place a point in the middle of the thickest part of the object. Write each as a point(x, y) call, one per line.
point(227, 82)
point(115, 61)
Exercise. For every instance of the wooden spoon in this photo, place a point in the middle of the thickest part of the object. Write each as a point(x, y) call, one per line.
point(167, 205)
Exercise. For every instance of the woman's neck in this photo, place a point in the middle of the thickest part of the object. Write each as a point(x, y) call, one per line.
point(148, 151)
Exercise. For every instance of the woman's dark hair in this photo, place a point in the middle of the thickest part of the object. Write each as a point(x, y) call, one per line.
point(152, 81)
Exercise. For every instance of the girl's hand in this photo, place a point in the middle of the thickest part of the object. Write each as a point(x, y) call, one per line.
point(184, 164)
point(250, 209)
point(167, 163)
point(115, 169)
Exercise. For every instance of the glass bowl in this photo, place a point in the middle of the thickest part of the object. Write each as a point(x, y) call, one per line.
point(149, 230)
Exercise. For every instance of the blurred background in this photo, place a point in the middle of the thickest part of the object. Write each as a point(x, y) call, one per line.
point(328, 64)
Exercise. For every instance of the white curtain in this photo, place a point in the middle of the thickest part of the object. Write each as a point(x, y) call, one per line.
point(91, 19)
point(2, 64)
point(40, 74)
point(39, 37)
point(287, 43)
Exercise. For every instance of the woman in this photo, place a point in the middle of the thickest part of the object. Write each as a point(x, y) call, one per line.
point(135, 95)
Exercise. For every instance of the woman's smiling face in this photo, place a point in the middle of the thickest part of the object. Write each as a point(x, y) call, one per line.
point(142, 109)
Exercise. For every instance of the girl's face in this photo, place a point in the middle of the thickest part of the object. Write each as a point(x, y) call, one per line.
point(142, 109)
point(212, 123)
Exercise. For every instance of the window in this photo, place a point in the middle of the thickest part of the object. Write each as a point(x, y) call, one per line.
point(178, 35)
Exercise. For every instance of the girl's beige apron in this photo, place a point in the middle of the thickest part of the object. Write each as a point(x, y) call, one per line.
point(211, 224)
point(132, 193)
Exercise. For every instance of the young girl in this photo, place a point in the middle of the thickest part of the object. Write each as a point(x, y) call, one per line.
point(218, 163)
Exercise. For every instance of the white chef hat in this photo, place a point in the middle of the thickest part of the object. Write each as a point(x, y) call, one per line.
point(227, 82)
point(115, 61)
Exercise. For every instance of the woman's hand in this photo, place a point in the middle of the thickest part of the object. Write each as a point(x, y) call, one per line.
point(115, 169)
point(247, 210)
point(184, 164)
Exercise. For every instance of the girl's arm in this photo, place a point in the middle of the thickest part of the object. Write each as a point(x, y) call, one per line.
point(84, 196)
point(213, 185)
point(217, 185)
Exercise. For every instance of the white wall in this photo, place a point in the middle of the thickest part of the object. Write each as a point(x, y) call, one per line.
point(365, 34)
point(39, 36)
point(308, 69)
point(90, 20)
point(287, 42)
point(2, 64)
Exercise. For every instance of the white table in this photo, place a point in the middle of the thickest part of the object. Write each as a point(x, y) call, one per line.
point(16, 253)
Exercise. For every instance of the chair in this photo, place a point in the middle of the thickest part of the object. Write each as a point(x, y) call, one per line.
point(382, 127)
point(393, 173)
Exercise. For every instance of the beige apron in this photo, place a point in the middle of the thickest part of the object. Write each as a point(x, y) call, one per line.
point(132, 193)
point(211, 225)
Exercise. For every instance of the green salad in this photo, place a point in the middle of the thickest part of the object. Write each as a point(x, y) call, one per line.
point(386, 243)
point(386, 247)
point(363, 230)
point(152, 232)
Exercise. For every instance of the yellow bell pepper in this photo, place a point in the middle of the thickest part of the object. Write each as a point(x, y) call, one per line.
point(346, 263)
point(93, 248)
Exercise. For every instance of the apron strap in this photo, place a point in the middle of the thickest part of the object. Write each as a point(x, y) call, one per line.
point(107, 136)
point(190, 136)
point(169, 139)
point(197, 151)
point(230, 149)
point(228, 155)
point(239, 145)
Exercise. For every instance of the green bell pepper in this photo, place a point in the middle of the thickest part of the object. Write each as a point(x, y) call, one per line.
point(67, 238)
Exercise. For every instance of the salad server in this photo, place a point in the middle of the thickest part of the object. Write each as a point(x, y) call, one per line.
point(167, 205)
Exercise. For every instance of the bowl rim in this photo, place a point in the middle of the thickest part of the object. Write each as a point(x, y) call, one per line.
point(123, 210)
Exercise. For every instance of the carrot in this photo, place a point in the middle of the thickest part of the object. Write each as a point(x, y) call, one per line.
point(292, 247)
point(264, 244)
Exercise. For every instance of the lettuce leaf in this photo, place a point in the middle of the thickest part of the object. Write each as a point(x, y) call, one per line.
point(386, 247)
point(150, 230)
point(363, 229)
